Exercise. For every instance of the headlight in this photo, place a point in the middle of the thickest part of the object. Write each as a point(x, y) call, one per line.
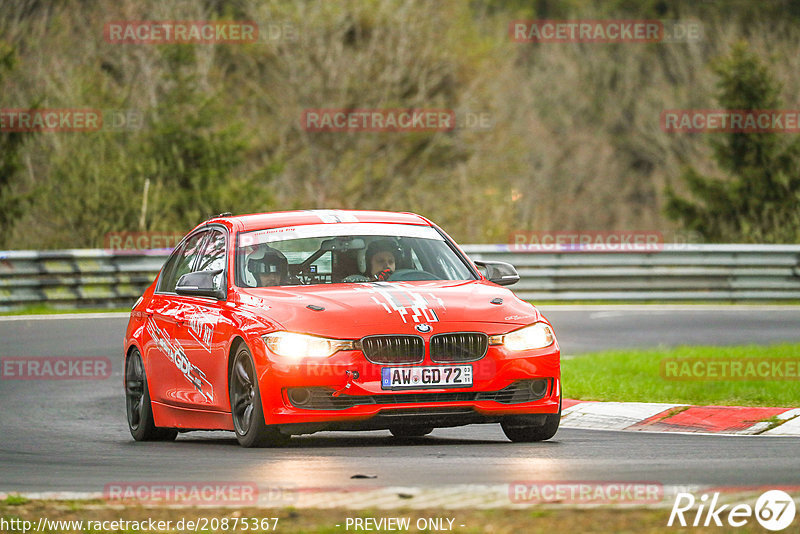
point(535, 336)
point(293, 345)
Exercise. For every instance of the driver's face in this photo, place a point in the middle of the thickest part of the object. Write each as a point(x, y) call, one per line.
point(381, 261)
point(269, 279)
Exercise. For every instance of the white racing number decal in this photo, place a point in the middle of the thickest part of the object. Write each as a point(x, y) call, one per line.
point(174, 352)
point(409, 304)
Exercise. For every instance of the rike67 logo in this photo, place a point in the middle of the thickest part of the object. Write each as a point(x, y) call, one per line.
point(774, 510)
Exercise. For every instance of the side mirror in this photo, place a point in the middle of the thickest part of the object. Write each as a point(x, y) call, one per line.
point(499, 272)
point(201, 284)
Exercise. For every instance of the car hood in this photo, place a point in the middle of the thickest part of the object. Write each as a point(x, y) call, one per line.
point(355, 310)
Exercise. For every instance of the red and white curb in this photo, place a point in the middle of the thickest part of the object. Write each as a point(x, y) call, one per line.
point(664, 417)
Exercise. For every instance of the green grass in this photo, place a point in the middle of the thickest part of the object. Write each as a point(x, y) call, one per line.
point(15, 500)
point(635, 376)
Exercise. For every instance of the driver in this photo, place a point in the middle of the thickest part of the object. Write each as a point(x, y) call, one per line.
point(381, 258)
point(270, 268)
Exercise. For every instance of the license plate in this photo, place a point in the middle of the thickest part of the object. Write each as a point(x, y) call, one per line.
point(453, 376)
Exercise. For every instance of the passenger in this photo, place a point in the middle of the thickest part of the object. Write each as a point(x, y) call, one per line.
point(270, 268)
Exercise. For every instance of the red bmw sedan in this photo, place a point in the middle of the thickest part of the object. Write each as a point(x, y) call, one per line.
point(280, 324)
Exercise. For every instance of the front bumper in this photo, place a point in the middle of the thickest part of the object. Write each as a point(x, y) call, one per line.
point(351, 398)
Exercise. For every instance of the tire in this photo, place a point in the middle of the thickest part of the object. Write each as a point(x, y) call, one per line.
point(246, 408)
point(410, 431)
point(137, 403)
point(531, 433)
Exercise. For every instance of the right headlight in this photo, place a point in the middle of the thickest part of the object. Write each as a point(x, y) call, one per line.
point(295, 345)
point(535, 336)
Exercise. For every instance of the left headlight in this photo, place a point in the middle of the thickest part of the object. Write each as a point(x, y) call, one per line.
point(294, 345)
point(535, 336)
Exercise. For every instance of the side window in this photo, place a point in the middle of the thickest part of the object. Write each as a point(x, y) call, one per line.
point(169, 267)
point(182, 262)
point(214, 257)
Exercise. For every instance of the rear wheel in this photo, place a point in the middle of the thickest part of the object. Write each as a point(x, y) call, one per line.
point(246, 407)
point(137, 403)
point(411, 431)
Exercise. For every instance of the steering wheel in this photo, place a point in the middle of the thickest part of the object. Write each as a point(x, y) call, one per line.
point(411, 274)
point(355, 278)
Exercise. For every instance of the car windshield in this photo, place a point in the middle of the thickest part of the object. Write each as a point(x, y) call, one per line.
point(345, 253)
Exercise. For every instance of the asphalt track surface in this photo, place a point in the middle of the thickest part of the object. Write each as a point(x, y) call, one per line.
point(72, 435)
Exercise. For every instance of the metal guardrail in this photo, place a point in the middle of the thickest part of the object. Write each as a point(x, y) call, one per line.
point(101, 278)
point(677, 272)
point(76, 278)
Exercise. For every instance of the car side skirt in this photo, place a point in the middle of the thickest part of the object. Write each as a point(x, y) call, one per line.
point(189, 419)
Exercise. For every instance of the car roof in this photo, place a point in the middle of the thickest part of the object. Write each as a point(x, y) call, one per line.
point(280, 219)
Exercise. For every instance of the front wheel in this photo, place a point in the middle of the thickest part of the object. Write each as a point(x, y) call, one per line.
point(246, 407)
point(529, 433)
point(137, 403)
